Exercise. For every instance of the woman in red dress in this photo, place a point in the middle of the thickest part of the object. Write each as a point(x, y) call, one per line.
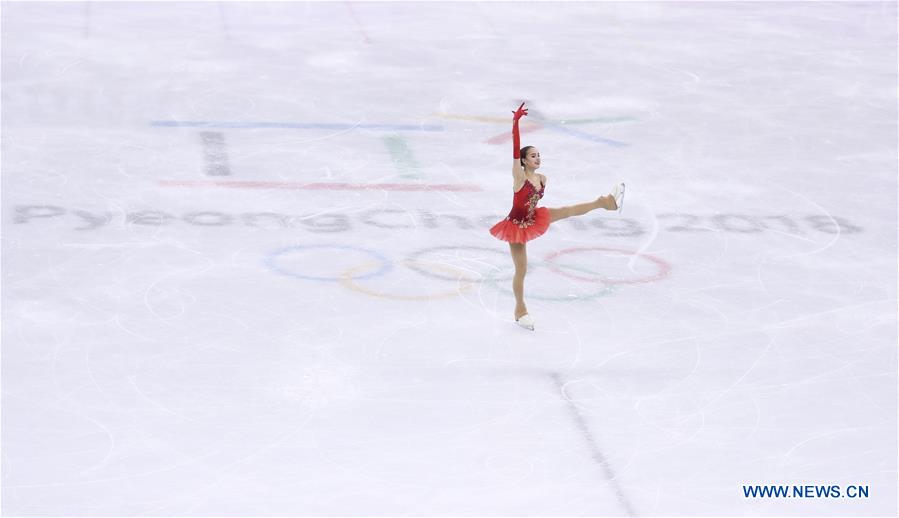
point(527, 221)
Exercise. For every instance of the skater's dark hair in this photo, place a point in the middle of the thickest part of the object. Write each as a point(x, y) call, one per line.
point(523, 153)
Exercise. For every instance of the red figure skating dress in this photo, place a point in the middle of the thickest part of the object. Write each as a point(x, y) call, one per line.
point(526, 220)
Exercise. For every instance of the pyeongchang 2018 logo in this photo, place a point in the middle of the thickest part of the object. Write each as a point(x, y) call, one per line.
point(80, 219)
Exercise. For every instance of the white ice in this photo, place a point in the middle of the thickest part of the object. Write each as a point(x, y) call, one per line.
point(190, 328)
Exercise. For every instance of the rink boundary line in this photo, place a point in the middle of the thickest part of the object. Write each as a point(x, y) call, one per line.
point(595, 452)
point(505, 120)
point(319, 186)
point(296, 125)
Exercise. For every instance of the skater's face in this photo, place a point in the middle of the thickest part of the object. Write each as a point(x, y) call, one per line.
point(532, 158)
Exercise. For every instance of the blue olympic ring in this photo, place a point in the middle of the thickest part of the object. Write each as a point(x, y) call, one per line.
point(386, 264)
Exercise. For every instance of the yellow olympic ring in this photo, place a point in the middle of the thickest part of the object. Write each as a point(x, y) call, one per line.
point(346, 279)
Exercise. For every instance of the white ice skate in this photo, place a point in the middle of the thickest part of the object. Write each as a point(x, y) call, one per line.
point(526, 321)
point(618, 194)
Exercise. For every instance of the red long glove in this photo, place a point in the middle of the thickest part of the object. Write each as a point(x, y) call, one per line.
point(516, 140)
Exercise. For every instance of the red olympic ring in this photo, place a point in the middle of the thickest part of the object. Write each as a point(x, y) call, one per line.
point(664, 267)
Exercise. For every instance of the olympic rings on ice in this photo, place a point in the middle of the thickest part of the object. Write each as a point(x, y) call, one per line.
point(386, 265)
point(663, 268)
point(493, 276)
point(347, 279)
point(467, 266)
point(475, 260)
point(601, 292)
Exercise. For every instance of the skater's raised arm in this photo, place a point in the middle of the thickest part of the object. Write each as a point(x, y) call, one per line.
point(517, 169)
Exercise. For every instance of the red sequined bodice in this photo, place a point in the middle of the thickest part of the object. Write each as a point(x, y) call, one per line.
point(524, 203)
point(526, 220)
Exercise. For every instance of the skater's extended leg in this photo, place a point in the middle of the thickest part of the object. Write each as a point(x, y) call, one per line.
point(603, 202)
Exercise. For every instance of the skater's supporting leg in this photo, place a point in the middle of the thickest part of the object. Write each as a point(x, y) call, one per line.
point(520, 258)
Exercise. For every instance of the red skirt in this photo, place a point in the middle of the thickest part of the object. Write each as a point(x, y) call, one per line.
point(506, 230)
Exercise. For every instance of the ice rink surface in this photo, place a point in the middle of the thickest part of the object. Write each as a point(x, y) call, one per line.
point(246, 265)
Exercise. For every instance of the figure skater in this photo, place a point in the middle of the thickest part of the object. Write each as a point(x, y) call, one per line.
point(527, 221)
